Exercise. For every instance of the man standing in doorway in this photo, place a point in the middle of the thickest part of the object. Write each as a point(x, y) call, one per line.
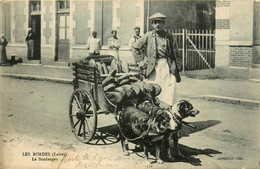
point(3, 44)
point(93, 44)
point(162, 56)
point(30, 38)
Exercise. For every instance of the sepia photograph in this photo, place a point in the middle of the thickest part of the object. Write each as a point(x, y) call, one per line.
point(129, 84)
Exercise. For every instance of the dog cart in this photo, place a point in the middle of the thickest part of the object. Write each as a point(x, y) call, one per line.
point(89, 99)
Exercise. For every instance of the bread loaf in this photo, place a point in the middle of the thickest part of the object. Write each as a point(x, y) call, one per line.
point(104, 67)
point(99, 67)
point(115, 97)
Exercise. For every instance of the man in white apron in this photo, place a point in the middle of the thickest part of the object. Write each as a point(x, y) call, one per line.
point(114, 44)
point(162, 57)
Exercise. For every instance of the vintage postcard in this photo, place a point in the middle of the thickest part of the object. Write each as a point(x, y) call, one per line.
point(125, 84)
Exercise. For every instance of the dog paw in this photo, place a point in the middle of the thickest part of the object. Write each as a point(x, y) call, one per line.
point(130, 151)
point(159, 162)
point(148, 164)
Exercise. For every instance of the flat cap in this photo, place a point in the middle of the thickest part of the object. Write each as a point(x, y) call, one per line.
point(158, 16)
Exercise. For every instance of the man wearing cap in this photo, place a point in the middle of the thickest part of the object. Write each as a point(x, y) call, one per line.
point(93, 44)
point(137, 56)
point(30, 43)
point(162, 56)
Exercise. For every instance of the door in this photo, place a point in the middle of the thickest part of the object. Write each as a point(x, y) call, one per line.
point(36, 27)
point(107, 19)
point(256, 57)
point(63, 38)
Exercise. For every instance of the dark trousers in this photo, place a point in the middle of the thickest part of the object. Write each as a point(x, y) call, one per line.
point(30, 51)
point(3, 55)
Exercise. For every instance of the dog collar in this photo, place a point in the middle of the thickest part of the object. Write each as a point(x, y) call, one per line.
point(177, 119)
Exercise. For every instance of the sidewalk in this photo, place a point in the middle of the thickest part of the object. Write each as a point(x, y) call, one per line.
point(234, 91)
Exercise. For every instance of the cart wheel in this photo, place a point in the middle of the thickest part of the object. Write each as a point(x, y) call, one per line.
point(83, 115)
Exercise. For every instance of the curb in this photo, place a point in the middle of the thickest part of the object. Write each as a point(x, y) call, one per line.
point(223, 99)
point(230, 100)
point(255, 80)
point(42, 78)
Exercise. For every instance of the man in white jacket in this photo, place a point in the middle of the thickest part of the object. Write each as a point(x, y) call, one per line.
point(93, 44)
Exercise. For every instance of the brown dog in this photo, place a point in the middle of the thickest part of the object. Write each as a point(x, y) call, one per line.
point(135, 123)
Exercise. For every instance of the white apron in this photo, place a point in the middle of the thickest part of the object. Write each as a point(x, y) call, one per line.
point(162, 76)
point(114, 52)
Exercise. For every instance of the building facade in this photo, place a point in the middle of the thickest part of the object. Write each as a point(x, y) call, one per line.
point(237, 36)
point(63, 27)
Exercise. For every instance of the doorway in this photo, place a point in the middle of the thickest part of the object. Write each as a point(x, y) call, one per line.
point(36, 27)
point(63, 42)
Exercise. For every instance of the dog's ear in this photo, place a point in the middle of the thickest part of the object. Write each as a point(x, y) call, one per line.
point(184, 107)
point(181, 105)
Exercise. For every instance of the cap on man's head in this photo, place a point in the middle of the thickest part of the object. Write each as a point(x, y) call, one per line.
point(157, 16)
point(94, 32)
point(137, 27)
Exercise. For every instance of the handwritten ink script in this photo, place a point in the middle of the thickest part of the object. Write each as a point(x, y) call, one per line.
point(87, 160)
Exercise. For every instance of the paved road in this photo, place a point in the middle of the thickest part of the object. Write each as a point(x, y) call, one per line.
point(34, 118)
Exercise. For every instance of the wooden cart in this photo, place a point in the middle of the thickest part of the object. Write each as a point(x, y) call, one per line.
point(89, 100)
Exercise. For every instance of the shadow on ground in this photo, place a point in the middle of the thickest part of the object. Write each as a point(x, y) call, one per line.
point(106, 135)
point(189, 152)
point(200, 125)
point(110, 135)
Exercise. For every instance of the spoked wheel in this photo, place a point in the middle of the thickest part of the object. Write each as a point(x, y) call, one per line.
point(83, 115)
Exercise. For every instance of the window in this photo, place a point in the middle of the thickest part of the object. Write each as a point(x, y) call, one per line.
point(35, 6)
point(63, 5)
point(63, 16)
point(63, 26)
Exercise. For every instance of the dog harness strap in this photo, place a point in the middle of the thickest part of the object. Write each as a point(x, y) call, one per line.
point(145, 133)
point(177, 119)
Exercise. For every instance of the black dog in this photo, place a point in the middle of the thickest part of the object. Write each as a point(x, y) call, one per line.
point(148, 127)
point(180, 110)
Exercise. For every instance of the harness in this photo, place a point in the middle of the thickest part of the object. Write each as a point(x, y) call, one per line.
point(145, 133)
point(178, 120)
